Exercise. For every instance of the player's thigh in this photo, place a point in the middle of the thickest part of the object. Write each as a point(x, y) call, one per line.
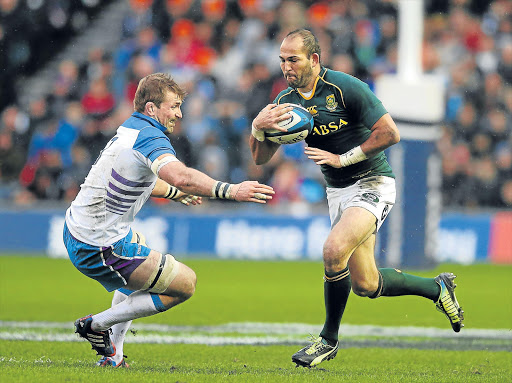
point(353, 227)
point(363, 269)
point(147, 269)
point(112, 265)
point(163, 274)
point(183, 284)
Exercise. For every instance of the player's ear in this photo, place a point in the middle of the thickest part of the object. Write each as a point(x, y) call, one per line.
point(316, 58)
point(150, 108)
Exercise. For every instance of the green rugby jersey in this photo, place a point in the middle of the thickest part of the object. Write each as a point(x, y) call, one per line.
point(344, 110)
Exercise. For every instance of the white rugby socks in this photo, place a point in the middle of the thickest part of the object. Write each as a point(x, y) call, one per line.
point(138, 305)
point(119, 330)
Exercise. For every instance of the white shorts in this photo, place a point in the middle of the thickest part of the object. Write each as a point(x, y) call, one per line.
point(376, 194)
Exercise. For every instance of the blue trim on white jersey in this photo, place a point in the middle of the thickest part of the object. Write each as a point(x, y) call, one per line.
point(153, 145)
point(147, 119)
point(151, 141)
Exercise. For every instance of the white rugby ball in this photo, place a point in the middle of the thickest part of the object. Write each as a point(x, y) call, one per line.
point(298, 126)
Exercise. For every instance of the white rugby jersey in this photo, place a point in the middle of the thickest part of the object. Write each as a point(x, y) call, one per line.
point(119, 182)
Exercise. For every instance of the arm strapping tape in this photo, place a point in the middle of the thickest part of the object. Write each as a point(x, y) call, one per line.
point(258, 134)
point(222, 190)
point(159, 163)
point(172, 192)
point(353, 156)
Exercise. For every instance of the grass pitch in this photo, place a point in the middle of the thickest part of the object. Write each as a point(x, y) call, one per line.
point(38, 289)
point(60, 362)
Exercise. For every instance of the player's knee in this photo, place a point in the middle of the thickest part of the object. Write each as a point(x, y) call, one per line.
point(189, 285)
point(334, 255)
point(364, 287)
point(163, 275)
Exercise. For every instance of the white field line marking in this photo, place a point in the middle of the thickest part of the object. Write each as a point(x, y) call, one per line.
point(275, 333)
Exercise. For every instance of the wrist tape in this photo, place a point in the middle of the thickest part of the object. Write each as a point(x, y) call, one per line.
point(222, 190)
point(258, 134)
point(353, 156)
point(172, 192)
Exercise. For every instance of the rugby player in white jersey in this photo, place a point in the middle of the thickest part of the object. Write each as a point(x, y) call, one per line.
point(138, 162)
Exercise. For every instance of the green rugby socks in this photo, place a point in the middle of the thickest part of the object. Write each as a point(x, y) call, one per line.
point(336, 291)
point(393, 282)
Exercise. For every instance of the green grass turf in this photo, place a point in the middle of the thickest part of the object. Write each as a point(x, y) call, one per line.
point(71, 362)
point(43, 289)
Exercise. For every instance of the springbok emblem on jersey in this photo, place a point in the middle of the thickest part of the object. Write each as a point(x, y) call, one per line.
point(330, 103)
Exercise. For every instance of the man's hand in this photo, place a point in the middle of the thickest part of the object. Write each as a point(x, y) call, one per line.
point(323, 157)
point(269, 117)
point(251, 191)
point(189, 199)
point(173, 193)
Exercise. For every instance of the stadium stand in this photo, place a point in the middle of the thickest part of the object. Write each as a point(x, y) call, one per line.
point(225, 53)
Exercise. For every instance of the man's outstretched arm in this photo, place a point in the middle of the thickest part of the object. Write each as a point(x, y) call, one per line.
point(194, 182)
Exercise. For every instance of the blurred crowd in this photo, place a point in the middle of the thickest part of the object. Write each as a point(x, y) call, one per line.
point(225, 54)
point(26, 27)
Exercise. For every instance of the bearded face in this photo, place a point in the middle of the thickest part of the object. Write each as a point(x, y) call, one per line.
point(301, 79)
point(298, 69)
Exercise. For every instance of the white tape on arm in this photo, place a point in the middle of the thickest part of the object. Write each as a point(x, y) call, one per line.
point(172, 192)
point(353, 156)
point(159, 163)
point(258, 134)
point(222, 190)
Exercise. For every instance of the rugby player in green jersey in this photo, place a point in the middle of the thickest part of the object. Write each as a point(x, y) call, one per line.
point(351, 130)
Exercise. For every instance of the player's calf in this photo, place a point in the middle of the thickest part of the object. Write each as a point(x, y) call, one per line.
point(366, 287)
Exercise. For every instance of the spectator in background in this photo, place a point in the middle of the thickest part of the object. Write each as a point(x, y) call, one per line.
point(183, 146)
point(98, 101)
point(11, 160)
point(286, 182)
point(497, 125)
point(45, 185)
point(72, 177)
point(139, 16)
point(506, 193)
point(140, 66)
point(493, 90)
point(211, 46)
point(39, 112)
point(487, 182)
point(505, 63)
point(92, 137)
point(15, 121)
point(466, 124)
point(262, 83)
point(212, 159)
point(229, 123)
point(503, 156)
point(66, 87)
point(197, 119)
point(98, 65)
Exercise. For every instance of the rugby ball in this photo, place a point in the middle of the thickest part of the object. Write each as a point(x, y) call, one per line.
point(298, 126)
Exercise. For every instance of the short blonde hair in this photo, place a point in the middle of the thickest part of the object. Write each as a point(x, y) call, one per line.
point(154, 88)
